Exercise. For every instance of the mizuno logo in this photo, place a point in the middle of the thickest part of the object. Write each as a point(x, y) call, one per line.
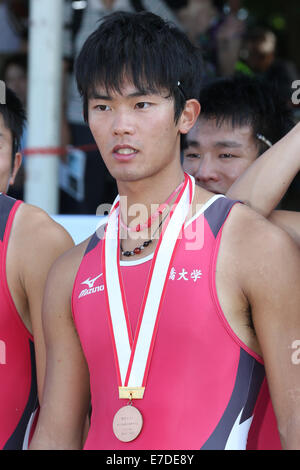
point(90, 282)
point(91, 289)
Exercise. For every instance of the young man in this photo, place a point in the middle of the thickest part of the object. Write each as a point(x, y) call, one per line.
point(29, 243)
point(241, 117)
point(158, 329)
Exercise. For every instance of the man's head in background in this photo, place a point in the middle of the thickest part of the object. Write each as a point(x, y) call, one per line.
point(259, 49)
point(12, 120)
point(14, 74)
point(241, 117)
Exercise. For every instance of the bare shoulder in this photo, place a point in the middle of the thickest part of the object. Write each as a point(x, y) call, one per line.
point(255, 243)
point(36, 241)
point(33, 221)
point(247, 222)
point(57, 306)
point(65, 267)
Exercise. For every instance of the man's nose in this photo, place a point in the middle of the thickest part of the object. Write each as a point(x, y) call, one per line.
point(206, 170)
point(123, 124)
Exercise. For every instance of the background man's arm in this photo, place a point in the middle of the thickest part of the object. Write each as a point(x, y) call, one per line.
point(265, 182)
point(65, 403)
point(288, 221)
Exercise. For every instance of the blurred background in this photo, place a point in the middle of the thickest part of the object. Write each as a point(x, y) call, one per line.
point(62, 170)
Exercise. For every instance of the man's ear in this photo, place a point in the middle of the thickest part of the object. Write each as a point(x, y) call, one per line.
point(189, 116)
point(16, 166)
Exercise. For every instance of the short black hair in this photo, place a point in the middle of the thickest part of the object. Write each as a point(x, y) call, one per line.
point(247, 101)
point(152, 53)
point(14, 118)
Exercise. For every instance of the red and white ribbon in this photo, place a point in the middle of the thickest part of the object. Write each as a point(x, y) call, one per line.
point(133, 355)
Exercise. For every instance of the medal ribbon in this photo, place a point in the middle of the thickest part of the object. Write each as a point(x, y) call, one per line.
point(133, 355)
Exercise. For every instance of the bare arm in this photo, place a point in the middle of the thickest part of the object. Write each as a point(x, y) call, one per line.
point(265, 182)
point(269, 276)
point(288, 221)
point(66, 393)
point(38, 242)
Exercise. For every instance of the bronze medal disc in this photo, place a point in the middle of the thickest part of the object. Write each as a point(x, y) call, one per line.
point(127, 423)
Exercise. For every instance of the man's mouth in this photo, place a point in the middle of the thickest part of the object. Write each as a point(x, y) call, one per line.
point(124, 152)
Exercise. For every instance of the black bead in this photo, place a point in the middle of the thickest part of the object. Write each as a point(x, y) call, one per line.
point(127, 253)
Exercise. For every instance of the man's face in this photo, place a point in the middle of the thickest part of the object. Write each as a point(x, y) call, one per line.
point(217, 155)
point(259, 60)
point(5, 156)
point(136, 134)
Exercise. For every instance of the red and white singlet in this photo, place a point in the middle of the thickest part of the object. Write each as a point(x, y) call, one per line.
point(203, 382)
point(18, 393)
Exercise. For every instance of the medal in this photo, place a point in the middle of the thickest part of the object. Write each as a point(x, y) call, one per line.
point(127, 423)
point(133, 355)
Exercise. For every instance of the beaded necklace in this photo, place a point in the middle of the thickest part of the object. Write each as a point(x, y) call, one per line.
point(140, 248)
point(159, 210)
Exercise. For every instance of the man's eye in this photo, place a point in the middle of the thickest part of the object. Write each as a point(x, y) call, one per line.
point(143, 105)
point(226, 155)
point(192, 155)
point(102, 107)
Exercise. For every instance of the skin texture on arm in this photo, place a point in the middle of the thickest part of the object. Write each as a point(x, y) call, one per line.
point(65, 401)
point(265, 182)
point(288, 221)
point(266, 263)
point(36, 242)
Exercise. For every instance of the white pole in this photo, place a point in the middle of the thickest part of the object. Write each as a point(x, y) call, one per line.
point(44, 101)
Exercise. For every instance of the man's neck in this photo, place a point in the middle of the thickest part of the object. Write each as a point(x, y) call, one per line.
point(140, 199)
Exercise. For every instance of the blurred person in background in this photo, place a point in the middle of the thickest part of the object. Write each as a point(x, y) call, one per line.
point(10, 39)
point(258, 56)
point(216, 27)
point(15, 75)
point(13, 25)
